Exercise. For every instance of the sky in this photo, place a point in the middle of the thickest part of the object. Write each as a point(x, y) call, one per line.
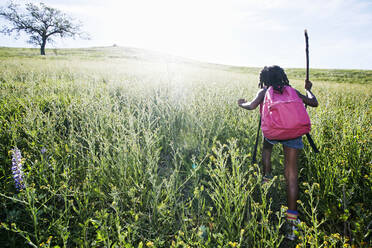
point(233, 32)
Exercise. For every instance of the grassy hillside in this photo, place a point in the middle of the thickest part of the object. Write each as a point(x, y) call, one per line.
point(104, 53)
point(126, 148)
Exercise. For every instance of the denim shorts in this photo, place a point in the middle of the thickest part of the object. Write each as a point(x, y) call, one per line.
point(292, 143)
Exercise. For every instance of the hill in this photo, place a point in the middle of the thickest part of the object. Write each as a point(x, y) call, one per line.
point(130, 53)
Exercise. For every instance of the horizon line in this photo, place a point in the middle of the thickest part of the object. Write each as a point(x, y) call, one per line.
point(179, 56)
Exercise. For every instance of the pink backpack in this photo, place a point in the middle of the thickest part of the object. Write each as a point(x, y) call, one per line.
point(283, 116)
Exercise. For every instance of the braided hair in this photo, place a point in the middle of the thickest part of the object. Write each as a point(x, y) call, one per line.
point(273, 76)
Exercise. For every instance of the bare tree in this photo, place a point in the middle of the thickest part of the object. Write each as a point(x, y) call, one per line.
point(40, 22)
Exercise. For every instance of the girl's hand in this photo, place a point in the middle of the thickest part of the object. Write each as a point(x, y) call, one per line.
point(241, 101)
point(308, 85)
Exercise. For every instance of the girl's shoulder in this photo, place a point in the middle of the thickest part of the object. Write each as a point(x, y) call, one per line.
point(261, 93)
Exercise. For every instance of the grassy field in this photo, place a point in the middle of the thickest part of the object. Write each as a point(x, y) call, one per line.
point(126, 148)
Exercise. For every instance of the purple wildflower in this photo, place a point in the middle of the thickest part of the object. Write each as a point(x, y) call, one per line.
point(17, 168)
point(43, 150)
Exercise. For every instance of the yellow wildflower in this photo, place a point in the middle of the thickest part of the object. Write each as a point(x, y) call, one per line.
point(336, 235)
point(233, 244)
point(49, 239)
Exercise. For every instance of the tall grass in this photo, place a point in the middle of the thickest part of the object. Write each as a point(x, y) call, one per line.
point(131, 152)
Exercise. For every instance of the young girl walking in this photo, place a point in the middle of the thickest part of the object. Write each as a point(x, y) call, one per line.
point(275, 77)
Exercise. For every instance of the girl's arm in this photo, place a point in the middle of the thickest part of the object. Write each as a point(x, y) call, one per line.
point(253, 104)
point(309, 99)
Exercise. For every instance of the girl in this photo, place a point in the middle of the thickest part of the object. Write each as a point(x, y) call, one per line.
point(275, 76)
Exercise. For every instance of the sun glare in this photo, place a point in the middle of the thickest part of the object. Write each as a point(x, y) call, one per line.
point(184, 28)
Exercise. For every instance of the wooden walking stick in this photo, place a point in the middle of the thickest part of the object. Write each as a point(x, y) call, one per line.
point(256, 144)
point(307, 54)
point(311, 142)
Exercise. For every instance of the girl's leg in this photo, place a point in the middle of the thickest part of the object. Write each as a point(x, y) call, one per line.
point(291, 173)
point(266, 157)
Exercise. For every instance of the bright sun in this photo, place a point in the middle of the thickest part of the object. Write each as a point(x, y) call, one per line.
point(187, 28)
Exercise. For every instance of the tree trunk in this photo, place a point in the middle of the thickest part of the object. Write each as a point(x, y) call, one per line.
point(42, 47)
